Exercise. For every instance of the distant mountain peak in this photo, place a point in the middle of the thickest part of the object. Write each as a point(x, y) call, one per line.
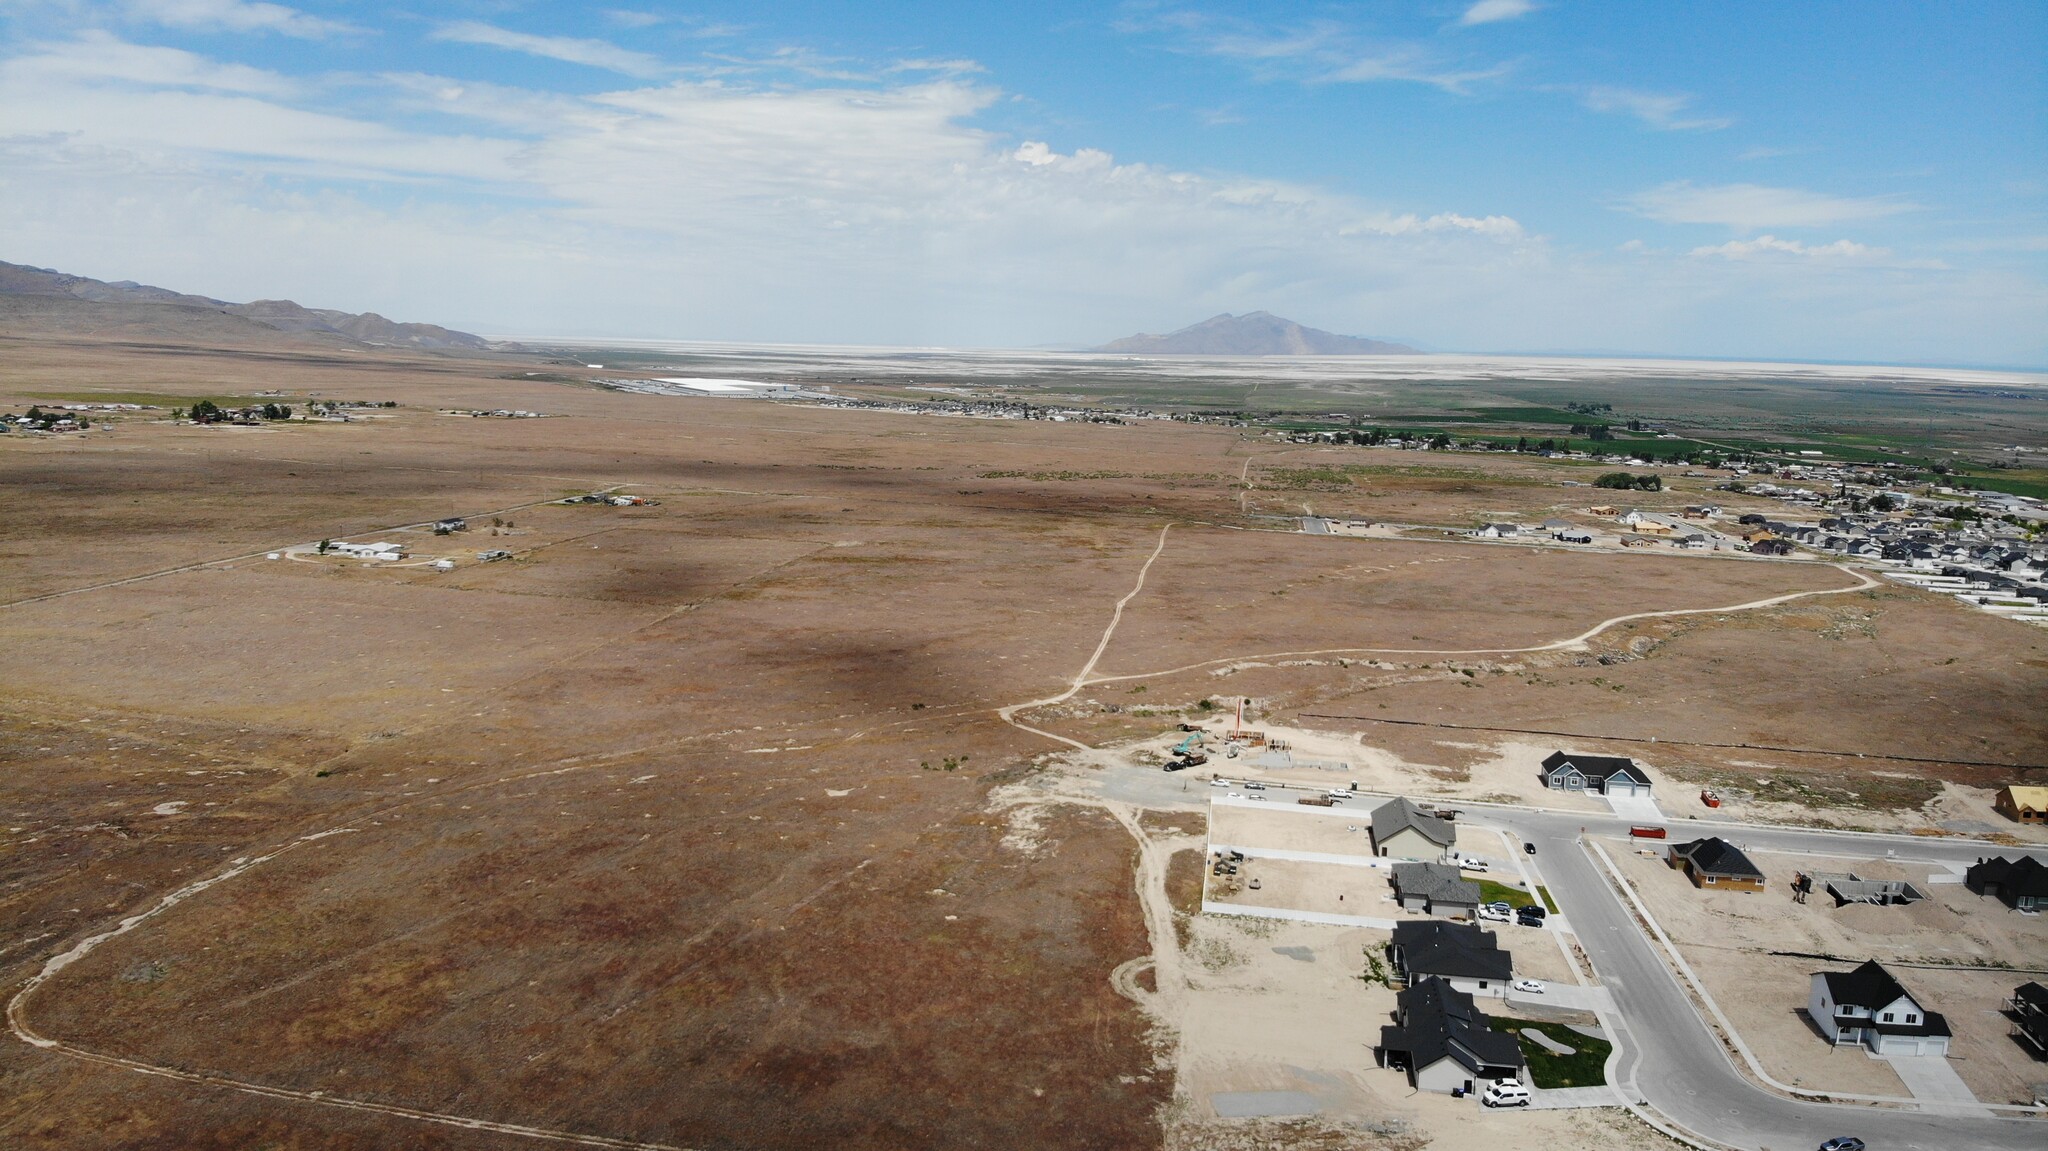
point(282, 315)
point(1253, 334)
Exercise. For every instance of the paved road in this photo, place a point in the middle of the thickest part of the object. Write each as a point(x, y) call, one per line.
point(1674, 1062)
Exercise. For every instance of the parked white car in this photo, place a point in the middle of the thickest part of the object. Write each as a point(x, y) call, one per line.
point(1527, 986)
point(1494, 915)
point(1506, 1093)
point(1470, 864)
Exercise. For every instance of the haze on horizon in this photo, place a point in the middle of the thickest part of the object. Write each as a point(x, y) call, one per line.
point(1837, 182)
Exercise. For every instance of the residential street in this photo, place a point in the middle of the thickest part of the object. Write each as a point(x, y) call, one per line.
point(1670, 1058)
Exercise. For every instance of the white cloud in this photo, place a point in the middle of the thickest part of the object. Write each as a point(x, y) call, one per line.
point(96, 57)
point(1318, 53)
point(1768, 245)
point(100, 93)
point(632, 18)
point(236, 16)
point(1663, 111)
point(1749, 207)
point(590, 53)
point(1491, 11)
point(1409, 65)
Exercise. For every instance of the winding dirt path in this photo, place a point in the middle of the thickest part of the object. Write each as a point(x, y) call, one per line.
point(1579, 640)
point(1009, 714)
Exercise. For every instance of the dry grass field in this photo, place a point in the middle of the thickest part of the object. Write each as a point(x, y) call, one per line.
point(674, 827)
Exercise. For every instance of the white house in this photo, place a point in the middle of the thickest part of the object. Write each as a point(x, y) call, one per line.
point(376, 551)
point(1867, 1007)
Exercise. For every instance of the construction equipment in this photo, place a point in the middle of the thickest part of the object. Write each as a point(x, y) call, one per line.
point(1194, 740)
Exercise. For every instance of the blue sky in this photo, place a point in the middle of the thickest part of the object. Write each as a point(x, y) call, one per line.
point(1859, 181)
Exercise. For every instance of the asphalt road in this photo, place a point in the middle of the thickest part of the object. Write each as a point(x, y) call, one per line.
point(1670, 1057)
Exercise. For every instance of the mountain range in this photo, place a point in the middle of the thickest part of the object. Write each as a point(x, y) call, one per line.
point(43, 302)
point(1253, 334)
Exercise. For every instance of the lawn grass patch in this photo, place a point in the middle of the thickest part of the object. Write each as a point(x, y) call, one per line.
point(1549, 904)
point(1493, 892)
point(1585, 1067)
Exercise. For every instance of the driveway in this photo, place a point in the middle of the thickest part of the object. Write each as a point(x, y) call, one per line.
point(1637, 808)
point(1569, 996)
point(1934, 1083)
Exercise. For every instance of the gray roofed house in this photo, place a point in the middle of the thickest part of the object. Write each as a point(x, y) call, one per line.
point(1462, 953)
point(1444, 1041)
point(1715, 862)
point(1869, 1007)
point(1435, 888)
point(1603, 774)
point(2022, 883)
point(1404, 831)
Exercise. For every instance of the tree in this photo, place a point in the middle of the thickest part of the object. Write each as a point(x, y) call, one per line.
point(1619, 481)
point(324, 545)
point(1600, 433)
point(206, 412)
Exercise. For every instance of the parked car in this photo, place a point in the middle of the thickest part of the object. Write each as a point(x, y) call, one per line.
point(1527, 986)
point(1219, 783)
point(1529, 920)
point(1530, 848)
point(1254, 785)
point(1533, 910)
point(1502, 906)
point(1175, 765)
point(1494, 915)
point(1505, 1093)
point(1843, 1143)
point(1470, 864)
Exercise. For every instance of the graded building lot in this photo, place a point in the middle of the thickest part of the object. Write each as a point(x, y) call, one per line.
point(1728, 938)
point(673, 828)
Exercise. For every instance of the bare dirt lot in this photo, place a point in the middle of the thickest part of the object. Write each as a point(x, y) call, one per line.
point(1938, 948)
point(674, 827)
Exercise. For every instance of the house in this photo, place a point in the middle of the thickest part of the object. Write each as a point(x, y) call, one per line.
point(1444, 1042)
point(376, 551)
point(2023, 804)
point(1499, 532)
point(1435, 888)
point(2022, 883)
point(2029, 1007)
point(1404, 831)
point(1604, 774)
point(1463, 954)
point(1867, 1007)
point(1714, 862)
point(1771, 547)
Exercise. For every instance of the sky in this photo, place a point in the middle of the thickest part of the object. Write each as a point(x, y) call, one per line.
point(1859, 181)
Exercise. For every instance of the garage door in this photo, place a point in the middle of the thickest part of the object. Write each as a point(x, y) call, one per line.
point(1620, 787)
